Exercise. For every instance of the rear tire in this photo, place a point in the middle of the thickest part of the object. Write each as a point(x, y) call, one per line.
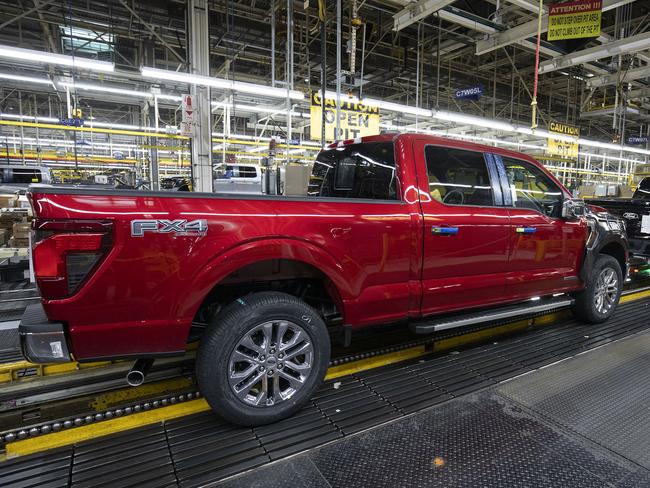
point(261, 358)
point(598, 301)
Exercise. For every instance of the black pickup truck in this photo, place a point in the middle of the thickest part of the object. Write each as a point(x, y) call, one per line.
point(635, 212)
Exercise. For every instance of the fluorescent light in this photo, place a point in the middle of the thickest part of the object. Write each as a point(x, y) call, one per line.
point(397, 107)
point(52, 58)
point(174, 98)
point(261, 109)
point(23, 117)
point(471, 120)
point(373, 102)
point(27, 79)
point(240, 86)
point(106, 89)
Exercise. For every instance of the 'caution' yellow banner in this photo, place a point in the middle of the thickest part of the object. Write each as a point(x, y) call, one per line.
point(566, 144)
point(356, 119)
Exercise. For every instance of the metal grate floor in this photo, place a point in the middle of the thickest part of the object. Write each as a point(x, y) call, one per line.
point(199, 449)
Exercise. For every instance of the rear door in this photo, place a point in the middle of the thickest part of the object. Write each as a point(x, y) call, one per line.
point(466, 229)
point(545, 250)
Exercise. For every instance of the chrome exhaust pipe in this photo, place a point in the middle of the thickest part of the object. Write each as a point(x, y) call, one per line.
point(137, 373)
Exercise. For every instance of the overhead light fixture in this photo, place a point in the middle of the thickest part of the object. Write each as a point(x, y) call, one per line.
point(382, 104)
point(26, 79)
point(174, 98)
point(53, 58)
point(29, 117)
point(106, 89)
point(238, 86)
point(471, 120)
point(261, 109)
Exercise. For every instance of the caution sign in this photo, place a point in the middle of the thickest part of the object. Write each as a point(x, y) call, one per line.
point(356, 119)
point(566, 144)
point(573, 20)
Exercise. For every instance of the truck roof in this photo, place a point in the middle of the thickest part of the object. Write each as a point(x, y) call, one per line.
point(436, 140)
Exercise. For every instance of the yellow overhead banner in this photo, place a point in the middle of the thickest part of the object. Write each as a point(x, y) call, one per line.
point(356, 119)
point(566, 145)
point(573, 20)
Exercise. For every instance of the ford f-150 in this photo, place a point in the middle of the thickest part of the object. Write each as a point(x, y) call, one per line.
point(409, 228)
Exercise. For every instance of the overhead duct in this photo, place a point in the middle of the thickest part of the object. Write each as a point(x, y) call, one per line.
point(529, 29)
point(622, 46)
point(417, 11)
point(615, 78)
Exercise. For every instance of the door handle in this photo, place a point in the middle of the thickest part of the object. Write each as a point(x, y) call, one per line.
point(525, 230)
point(444, 231)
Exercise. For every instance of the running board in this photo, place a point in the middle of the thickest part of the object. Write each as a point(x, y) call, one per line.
point(512, 311)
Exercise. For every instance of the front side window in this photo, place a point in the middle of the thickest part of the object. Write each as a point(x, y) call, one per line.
point(365, 170)
point(458, 177)
point(531, 188)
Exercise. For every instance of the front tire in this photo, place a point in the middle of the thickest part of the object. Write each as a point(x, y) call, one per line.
point(262, 358)
point(597, 302)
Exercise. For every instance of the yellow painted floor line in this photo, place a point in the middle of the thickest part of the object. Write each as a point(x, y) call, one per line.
point(106, 427)
point(635, 296)
point(374, 362)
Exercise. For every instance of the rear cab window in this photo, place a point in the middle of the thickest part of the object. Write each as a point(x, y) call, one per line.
point(364, 171)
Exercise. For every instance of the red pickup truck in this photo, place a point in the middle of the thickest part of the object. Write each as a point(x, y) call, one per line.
point(433, 232)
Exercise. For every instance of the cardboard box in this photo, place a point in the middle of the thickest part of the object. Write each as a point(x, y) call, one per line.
point(22, 202)
point(21, 230)
point(7, 201)
point(625, 191)
point(296, 179)
point(13, 242)
point(586, 191)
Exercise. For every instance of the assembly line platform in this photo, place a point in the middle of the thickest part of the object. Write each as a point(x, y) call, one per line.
point(562, 405)
point(582, 422)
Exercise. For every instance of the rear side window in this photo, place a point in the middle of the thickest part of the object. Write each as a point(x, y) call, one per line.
point(247, 172)
point(20, 175)
point(531, 188)
point(458, 177)
point(364, 170)
point(643, 191)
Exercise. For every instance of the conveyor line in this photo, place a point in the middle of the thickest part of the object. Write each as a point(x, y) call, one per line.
point(196, 449)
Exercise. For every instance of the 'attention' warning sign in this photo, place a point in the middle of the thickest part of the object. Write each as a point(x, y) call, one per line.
point(573, 20)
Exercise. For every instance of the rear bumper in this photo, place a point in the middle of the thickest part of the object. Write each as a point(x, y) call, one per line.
point(41, 340)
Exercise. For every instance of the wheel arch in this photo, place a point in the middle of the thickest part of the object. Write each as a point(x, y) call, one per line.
point(616, 250)
point(310, 260)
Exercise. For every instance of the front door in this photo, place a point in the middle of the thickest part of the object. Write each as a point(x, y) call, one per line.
point(466, 229)
point(545, 249)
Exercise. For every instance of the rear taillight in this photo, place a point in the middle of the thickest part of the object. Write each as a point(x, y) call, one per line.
point(65, 253)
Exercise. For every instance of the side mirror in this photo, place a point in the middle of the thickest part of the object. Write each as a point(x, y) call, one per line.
point(573, 209)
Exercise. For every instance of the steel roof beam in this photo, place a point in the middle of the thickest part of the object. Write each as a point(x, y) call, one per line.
point(624, 76)
point(628, 45)
point(417, 11)
point(529, 29)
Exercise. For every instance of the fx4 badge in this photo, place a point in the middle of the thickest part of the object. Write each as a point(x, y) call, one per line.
point(177, 227)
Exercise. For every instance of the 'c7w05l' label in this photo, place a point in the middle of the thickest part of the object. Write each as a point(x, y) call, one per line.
point(162, 226)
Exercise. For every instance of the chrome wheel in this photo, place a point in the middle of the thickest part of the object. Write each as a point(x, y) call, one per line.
point(270, 363)
point(606, 290)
